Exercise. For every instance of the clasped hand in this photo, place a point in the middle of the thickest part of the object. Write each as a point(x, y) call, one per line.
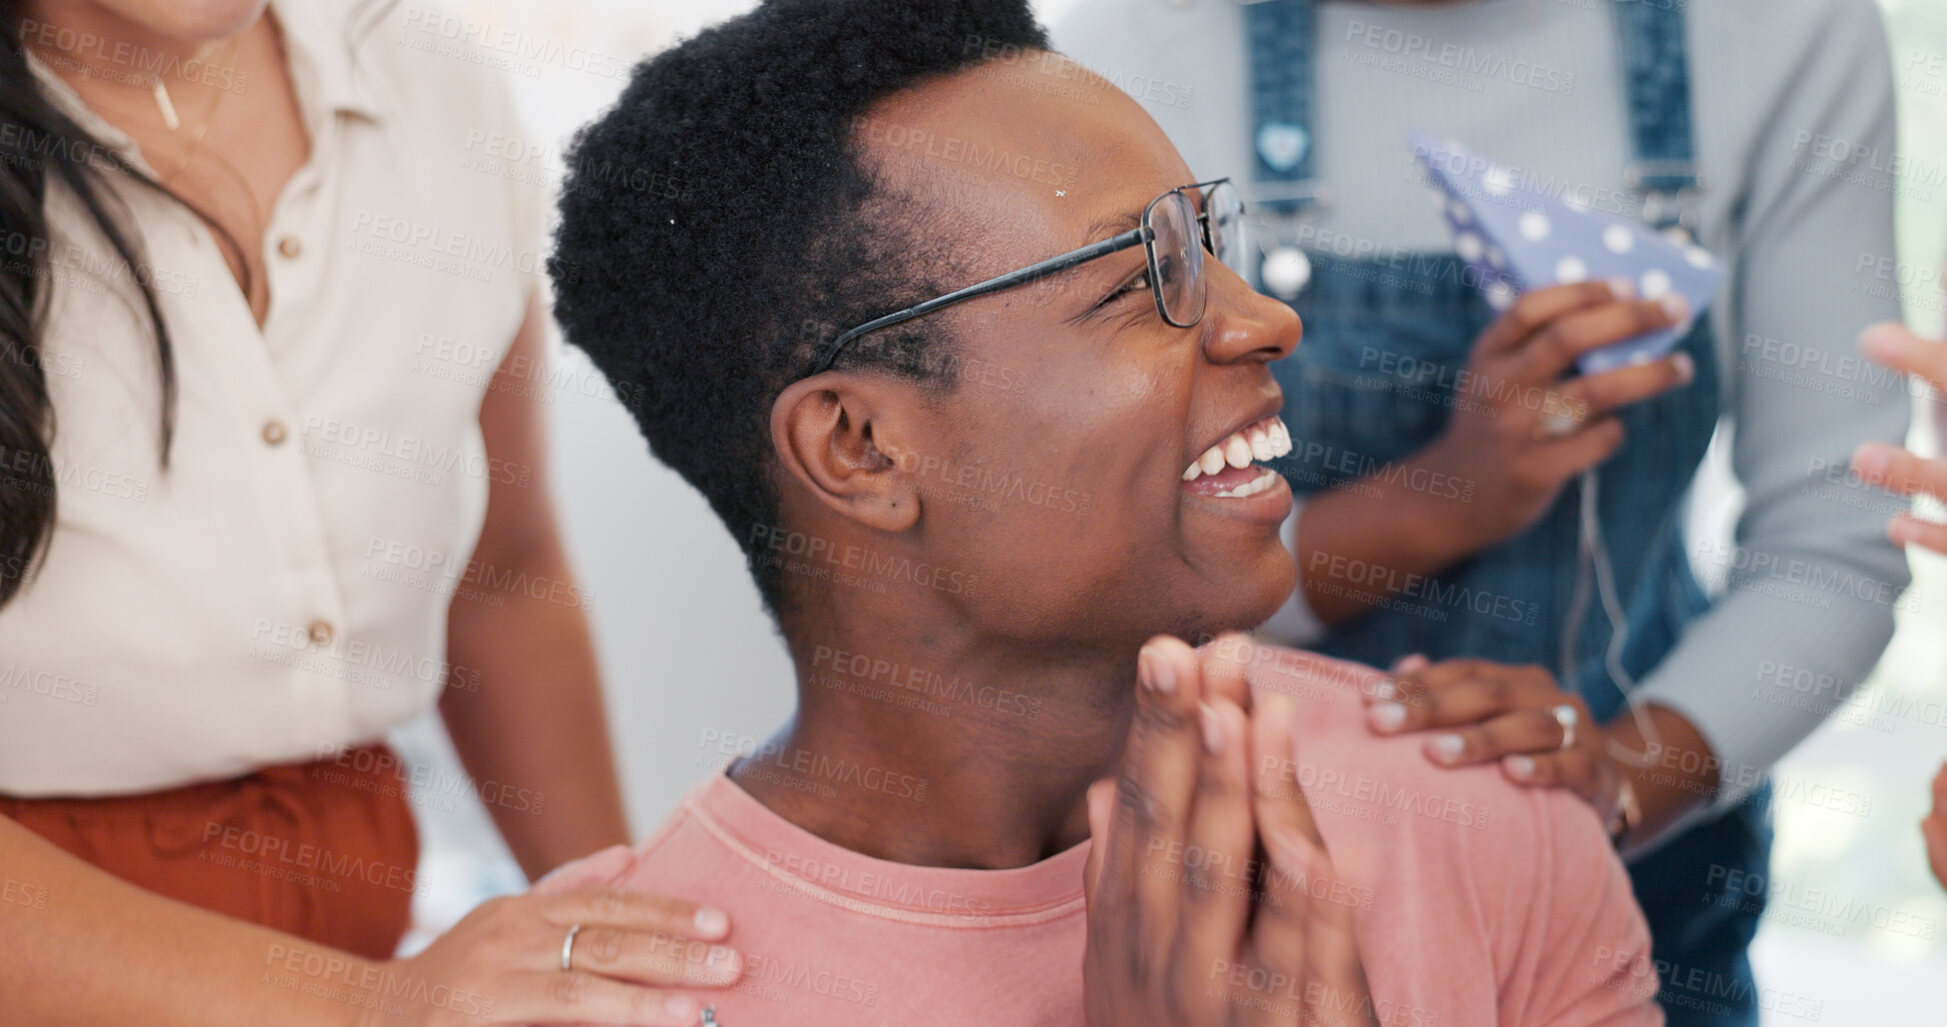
point(1210, 897)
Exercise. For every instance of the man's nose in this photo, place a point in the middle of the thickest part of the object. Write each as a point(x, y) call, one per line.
point(1244, 324)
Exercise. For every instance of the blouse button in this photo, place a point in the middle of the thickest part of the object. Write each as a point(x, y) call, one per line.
point(321, 632)
point(289, 247)
point(275, 433)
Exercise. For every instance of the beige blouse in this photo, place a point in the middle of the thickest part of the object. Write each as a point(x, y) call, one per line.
point(281, 587)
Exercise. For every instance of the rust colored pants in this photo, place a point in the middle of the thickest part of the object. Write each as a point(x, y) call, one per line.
point(326, 851)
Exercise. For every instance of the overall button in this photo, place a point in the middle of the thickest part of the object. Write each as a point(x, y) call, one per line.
point(275, 432)
point(1286, 272)
point(321, 632)
point(289, 247)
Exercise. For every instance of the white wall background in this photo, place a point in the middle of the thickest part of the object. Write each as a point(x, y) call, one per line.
point(687, 650)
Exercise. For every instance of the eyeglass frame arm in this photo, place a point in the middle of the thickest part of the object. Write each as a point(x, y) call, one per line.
point(1140, 236)
point(1022, 276)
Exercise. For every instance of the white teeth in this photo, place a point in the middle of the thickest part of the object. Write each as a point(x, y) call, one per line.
point(1251, 488)
point(1264, 441)
point(1260, 444)
point(1237, 451)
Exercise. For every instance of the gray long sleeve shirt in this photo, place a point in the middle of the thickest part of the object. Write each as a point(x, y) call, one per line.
point(1793, 107)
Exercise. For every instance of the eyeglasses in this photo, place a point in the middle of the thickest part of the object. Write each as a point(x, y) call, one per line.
point(1173, 235)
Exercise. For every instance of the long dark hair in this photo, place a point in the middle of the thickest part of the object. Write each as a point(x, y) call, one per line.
point(38, 144)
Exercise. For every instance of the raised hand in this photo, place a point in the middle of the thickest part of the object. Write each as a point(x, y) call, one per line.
point(1203, 880)
point(1891, 467)
point(1934, 828)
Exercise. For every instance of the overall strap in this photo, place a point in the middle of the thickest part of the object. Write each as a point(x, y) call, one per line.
point(1279, 34)
point(1656, 91)
point(1651, 37)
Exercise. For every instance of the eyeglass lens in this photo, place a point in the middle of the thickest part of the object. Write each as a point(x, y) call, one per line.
point(1179, 242)
point(1225, 214)
point(1177, 251)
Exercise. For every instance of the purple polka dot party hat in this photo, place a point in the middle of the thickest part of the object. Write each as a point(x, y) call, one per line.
point(1515, 236)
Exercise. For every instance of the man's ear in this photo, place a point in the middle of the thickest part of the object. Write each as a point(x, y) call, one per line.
point(830, 433)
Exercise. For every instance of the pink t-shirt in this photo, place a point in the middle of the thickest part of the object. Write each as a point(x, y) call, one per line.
point(1478, 902)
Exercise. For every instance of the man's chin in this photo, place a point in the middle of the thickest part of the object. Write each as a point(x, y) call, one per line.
point(1274, 585)
point(1259, 594)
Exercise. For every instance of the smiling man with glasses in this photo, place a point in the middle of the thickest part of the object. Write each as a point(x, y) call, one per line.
point(1011, 793)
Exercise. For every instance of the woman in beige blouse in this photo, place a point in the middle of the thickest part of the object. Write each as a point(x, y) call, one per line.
point(272, 481)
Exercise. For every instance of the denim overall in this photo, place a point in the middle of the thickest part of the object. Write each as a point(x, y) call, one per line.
point(1354, 406)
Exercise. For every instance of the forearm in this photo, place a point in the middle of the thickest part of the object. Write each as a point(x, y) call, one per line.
point(535, 729)
point(1671, 768)
point(1365, 540)
point(86, 949)
point(1767, 665)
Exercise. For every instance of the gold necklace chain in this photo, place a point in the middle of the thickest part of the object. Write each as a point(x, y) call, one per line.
point(209, 113)
point(157, 87)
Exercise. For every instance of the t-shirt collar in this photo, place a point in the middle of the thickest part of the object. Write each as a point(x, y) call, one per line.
point(1051, 887)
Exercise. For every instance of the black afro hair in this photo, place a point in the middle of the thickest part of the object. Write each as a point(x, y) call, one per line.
point(718, 228)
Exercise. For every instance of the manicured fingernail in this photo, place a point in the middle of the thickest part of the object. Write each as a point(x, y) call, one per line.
point(1412, 664)
point(1686, 368)
point(1445, 748)
point(1385, 689)
point(1146, 670)
point(1520, 767)
point(712, 922)
point(1674, 306)
point(1386, 716)
point(1155, 672)
point(1213, 730)
point(681, 1006)
point(1165, 676)
point(1622, 288)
